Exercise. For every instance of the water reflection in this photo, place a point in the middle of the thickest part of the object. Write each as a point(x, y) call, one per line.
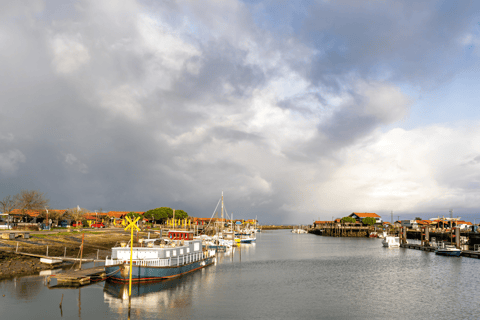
point(154, 296)
point(178, 293)
point(26, 288)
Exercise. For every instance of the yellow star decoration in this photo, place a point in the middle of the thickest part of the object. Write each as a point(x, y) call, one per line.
point(132, 224)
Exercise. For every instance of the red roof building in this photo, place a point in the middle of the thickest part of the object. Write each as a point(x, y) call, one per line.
point(361, 215)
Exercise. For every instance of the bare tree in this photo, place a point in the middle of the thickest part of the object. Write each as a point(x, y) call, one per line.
point(31, 200)
point(52, 214)
point(7, 204)
point(77, 213)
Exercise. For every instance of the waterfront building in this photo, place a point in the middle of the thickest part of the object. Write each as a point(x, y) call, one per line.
point(361, 215)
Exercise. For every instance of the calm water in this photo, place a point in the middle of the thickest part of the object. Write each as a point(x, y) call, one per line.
point(282, 276)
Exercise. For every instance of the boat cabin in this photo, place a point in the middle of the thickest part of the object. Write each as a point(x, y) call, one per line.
point(180, 235)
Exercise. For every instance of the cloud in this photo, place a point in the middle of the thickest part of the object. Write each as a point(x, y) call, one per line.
point(137, 105)
point(69, 54)
point(10, 160)
point(71, 160)
point(428, 169)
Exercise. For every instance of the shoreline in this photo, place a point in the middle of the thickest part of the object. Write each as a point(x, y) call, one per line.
point(63, 244)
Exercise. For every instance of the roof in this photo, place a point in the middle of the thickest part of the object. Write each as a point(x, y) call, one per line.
point(35, 213)
point(120, 214)
point(464, 222)
point(323, 222)
point(366, 215)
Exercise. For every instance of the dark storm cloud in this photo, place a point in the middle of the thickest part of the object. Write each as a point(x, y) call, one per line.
point(132, 106)
point(414, 41)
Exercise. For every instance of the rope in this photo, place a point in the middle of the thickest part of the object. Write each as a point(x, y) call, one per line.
point(213, 213)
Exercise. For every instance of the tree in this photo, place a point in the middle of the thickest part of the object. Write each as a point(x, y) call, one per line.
point(348, 220)
point(180, 214)
point(418, 218)
point(7, 204)
point(369, 221)
point(77, 214)
point(31, 200)
point(133, 215)
point(52, 214)
point(156, 214)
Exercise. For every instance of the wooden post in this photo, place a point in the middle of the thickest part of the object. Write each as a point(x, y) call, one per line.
point(427, 234)
point(65, 252)
point(47, 250)
point(457, 237)
point(81, 251)
point(17, 246)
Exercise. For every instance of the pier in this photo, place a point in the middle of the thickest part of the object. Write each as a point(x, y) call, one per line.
point(80, 277)
point(465, 253)
point(341, 231)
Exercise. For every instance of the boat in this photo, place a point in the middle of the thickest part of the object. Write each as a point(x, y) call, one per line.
point(448, 250)
point(160, 258)
point(299, 230)
point(391, 242)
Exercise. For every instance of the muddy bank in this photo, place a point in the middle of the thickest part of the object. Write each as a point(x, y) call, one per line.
point(96, 244)
point(12, 265)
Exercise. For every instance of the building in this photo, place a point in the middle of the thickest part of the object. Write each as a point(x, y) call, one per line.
point(361, 215)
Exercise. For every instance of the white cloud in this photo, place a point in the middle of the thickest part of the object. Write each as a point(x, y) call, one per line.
point(69, 54)
point(7, 137)
point(384, 101)
point(72, 161)
point(10, 160)
point(425, 169)
point(123, 101)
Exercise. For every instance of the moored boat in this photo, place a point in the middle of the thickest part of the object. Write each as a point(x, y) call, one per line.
point(391, 242)
point(448, 250)
point(299, 230)
point(160, 259)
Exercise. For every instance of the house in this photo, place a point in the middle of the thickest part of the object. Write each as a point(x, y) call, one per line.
point(361, 215)
point(321, 224)
point(464, 225)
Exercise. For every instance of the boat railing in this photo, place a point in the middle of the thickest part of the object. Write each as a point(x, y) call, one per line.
point(159, 262)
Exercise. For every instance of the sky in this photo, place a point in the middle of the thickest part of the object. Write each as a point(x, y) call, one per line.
point(296, 110)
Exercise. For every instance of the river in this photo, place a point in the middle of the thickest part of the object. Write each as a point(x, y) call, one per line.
point(282, 276)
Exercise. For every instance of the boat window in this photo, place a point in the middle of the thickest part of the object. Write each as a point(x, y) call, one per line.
point(167, 254)
point(174, 253)
point(196, 246)
point(181, 251)
point(188, 250)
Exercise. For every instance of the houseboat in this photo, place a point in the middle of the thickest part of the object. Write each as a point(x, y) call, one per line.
point(159, 258)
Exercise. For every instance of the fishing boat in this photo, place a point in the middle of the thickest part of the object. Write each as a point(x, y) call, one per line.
point(160, 258)
point(391, 242)
point(448, 250)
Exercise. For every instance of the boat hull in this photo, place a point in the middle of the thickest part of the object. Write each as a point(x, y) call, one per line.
point(120, 272)
point(448, 253)
point(247, 240)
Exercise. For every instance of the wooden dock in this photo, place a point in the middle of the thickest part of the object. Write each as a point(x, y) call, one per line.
point(81, 277)
point(465, 253)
